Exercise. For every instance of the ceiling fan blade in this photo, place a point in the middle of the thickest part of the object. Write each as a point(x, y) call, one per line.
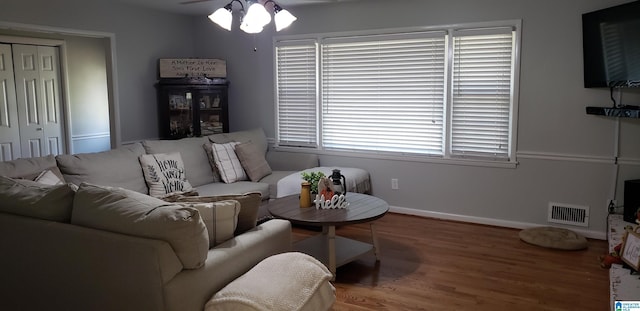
point(194, 1)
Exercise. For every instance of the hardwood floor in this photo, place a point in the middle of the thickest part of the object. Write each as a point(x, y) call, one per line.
point(429, 264)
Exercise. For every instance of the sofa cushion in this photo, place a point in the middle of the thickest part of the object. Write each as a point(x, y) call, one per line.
point(252, 160)
point(32, 199)
point(220, 188)
point(219, 138)
point(29, 168)
point(195, 159)
point(249, 205)
point(118, 167)
point(227, 162)
point(129, 212)
point(221, 219)
point(164, 174)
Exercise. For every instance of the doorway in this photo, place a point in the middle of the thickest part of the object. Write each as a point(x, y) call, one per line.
point(89, 106)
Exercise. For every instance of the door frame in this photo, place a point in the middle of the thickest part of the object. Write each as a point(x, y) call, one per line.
point(112, 76)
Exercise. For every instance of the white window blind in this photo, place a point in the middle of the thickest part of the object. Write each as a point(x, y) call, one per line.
point(384, 93)
point(297, 94)
point(482, 94)
point(439, 92)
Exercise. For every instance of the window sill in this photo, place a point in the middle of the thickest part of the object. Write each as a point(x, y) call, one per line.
point(397, 157)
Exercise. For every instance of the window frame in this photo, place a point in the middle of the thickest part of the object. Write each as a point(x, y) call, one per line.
point(446, 157)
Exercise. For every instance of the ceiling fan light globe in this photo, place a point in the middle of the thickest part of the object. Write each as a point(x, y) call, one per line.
point(283, 19)
point(222, 17)
point(257, 15)
point(251, 28)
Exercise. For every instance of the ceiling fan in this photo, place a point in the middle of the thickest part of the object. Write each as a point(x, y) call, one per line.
point(286, 2)
point(254, 18)
point(194, 1)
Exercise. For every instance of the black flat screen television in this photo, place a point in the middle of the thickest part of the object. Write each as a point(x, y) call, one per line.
point(611, 46)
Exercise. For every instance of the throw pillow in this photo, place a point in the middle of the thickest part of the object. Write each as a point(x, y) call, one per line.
point(249, 205)
point(252, 159)
point(164, 174)
point(133, 213)
point(227, 162)
point(48, 177)
point(190, 149)
point(208, 149)
point(28, 198)
point(221, 219)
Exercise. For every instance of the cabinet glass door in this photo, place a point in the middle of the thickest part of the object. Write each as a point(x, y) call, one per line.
point(211, 121)
point(180, 114)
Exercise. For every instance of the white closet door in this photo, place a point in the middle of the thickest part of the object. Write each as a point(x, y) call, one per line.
point(9, 127)
point(38, 96)
point(51, 98)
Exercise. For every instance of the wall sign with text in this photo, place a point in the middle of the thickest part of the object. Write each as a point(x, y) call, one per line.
point(193, 67)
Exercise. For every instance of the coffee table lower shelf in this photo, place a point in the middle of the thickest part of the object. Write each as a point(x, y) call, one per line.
point(333, 251)
point(346, 250)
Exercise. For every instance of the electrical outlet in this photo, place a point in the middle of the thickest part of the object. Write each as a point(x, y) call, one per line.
point(394, 183)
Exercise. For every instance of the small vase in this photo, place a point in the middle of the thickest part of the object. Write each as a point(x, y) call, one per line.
point(305, 194)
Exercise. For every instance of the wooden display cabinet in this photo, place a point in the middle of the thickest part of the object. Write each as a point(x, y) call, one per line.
point(190, 107)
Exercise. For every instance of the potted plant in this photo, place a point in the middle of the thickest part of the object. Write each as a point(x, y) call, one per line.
point(312, 178)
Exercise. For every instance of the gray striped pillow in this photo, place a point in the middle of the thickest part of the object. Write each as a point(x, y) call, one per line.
point(227, 162)
point(220, 218)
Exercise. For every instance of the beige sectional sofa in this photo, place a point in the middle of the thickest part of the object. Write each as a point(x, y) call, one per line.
point(52, 264)
point(87, 254)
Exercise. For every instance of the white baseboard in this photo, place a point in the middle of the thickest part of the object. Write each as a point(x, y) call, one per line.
point(488, 221)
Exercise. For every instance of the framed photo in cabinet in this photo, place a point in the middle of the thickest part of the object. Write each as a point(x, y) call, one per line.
point(177, 102)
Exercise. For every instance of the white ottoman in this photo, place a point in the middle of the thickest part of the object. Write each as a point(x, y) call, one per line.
point(283, 282)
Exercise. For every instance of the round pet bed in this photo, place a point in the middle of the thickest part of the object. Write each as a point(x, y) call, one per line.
point(556, 238)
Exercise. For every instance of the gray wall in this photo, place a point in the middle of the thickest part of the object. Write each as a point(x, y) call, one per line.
point(564, 155)
point(88, 93)
point(141, 37)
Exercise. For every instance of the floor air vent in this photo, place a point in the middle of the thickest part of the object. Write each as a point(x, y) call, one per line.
point(568, 214)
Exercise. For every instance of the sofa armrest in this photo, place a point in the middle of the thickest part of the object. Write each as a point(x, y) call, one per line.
point(291, 161)
point(59, 266)
point(191, 289)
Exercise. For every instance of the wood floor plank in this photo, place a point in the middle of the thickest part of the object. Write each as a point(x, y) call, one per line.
point(430, 264)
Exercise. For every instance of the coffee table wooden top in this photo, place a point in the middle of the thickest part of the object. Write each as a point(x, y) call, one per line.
point(362, 208)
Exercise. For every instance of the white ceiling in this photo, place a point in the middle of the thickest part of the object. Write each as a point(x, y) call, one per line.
point(206, 7)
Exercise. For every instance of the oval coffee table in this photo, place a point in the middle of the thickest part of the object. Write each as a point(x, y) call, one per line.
point(334, 251)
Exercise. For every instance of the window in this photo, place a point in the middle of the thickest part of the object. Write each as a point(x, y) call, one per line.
point(482, 94)
point(446, 93)
point(297, 92)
